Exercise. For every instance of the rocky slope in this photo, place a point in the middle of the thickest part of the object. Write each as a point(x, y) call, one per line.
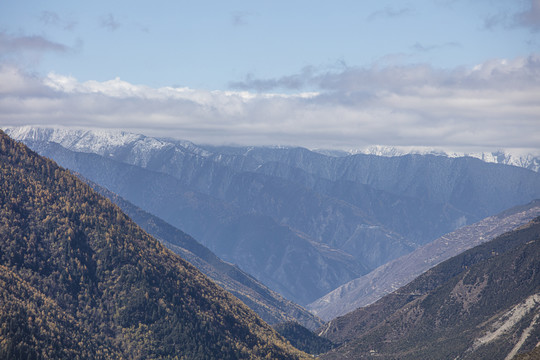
point(397, 273)
point(483, 303)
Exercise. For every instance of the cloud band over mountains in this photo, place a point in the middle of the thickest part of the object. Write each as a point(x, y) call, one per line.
point(491, 106)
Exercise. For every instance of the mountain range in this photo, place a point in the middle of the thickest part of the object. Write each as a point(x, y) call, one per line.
point(524, 160)
point(301, 222)
point(79, 279)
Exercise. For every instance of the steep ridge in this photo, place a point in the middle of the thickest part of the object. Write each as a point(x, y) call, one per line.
point(483, 303)
point(391, 276)
point(286, 261)
point(269, 305)
point(79, 278)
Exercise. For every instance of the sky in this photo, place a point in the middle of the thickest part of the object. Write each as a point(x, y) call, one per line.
point(455, 75)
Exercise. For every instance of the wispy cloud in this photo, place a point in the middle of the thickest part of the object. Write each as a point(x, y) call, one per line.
point(426, 48)
point(529, 18)
point(53, 19)
point(490, 106)
point(110, 23)
point(29, 50)
point(240, 18)
point(290, 82)
point(16, 44)
point(389, 12)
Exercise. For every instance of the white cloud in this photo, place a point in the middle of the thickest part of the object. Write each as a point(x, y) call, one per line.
point(488, 107)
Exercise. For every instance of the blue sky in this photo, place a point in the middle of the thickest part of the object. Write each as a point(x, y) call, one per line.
point(454, 74)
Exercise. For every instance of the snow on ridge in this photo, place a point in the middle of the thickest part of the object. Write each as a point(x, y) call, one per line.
point(188, 145)
point(105, 142)
point(90, 141)
point(513, 157)
point(101, 142)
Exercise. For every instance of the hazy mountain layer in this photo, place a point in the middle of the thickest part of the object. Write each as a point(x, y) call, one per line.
point(467, 184)
point(283, 259)
point(527, 161)
point(269, 305)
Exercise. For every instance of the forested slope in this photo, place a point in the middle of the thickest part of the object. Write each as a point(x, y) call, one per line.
point(80, 279)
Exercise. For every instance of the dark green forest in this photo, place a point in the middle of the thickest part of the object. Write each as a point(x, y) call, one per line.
point(79, 280)
point(303, 338)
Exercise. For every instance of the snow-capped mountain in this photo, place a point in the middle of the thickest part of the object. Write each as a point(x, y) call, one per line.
point(523, 160)
point(106, 142)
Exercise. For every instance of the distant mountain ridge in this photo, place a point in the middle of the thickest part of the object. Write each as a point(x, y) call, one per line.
point(93, 143)
point(219, 225)
point(524, 160)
